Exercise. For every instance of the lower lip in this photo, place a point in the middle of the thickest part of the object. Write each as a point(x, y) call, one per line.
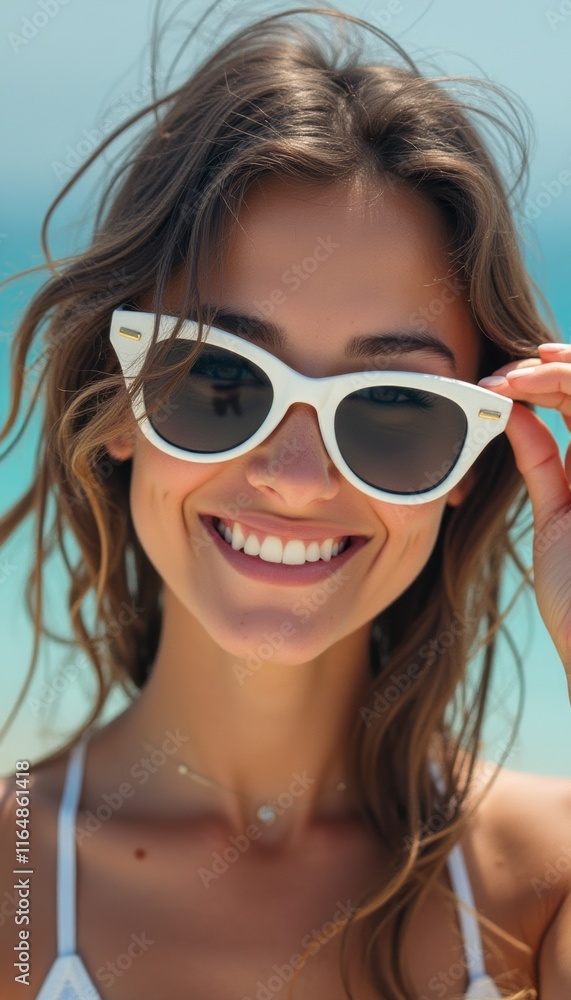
point(280, 573)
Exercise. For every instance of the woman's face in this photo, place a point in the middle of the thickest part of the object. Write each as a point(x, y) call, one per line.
point(326, 266)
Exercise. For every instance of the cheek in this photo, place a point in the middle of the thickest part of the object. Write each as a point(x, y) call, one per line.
point(162, 488)
point(405, 539)
point(411, 530)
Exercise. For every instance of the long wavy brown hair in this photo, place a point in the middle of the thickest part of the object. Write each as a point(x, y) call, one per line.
point(289, 99)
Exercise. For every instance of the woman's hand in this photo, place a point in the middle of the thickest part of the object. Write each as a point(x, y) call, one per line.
point(546, 382)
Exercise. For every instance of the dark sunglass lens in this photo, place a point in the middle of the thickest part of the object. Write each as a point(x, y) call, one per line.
point(223, 401)
point(398, 439)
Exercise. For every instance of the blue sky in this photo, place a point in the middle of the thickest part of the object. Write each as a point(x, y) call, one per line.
point(83, 68)
point(88, 54)
point(68, 68)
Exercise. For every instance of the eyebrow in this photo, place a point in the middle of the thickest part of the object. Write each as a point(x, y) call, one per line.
point(382, 344)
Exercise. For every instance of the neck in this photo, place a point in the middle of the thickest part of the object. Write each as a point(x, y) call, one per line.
point(275, 732)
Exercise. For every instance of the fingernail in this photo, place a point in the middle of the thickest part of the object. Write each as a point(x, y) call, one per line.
point(555, 347)
point(518, 372)
point(491, 380)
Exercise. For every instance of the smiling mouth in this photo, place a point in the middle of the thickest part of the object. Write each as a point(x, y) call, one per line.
point(270, 548)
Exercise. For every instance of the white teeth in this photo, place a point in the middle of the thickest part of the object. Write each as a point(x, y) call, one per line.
point(271, 549)
point(326, 547)
point(312, 552)
point(294, 553)
point(238, 537)
point(252, 546)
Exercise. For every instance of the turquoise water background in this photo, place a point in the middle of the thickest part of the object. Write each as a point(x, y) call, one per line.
point(65, 100)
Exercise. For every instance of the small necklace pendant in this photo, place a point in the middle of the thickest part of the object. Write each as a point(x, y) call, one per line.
point(267, 814)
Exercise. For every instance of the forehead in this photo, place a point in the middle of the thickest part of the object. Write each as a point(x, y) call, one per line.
point(328, 264)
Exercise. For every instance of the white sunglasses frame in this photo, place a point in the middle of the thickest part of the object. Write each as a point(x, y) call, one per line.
point(486, 412)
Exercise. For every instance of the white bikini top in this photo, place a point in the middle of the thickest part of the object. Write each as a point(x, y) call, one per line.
point(68, 978)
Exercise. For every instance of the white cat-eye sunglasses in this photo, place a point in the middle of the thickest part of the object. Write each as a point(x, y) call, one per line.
point(402, 437)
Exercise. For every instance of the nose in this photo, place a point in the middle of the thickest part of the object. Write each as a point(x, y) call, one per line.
point(293, 462)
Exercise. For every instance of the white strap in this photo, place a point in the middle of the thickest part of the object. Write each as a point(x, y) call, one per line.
point(66, 856)
point(461, 884)
point(468, 922)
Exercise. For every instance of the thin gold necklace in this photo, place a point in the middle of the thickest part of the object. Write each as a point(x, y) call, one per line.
point(267, 812)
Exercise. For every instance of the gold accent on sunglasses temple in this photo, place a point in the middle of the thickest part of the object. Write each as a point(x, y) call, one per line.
point(489, 414)
point(131, 334)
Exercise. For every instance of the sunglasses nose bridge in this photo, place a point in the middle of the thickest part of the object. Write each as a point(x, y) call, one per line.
point(295, 392)
point(315, 393)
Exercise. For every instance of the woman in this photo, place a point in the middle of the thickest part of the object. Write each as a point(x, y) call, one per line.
point(284, 807)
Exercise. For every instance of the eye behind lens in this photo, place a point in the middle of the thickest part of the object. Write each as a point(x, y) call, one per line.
point(405, 447)
point(222, 402)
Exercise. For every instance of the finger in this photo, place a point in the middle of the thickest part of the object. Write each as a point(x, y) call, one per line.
point(544, 384)
point(537, 458)
point(547, 385)
point(547, 352)
point(555, 352)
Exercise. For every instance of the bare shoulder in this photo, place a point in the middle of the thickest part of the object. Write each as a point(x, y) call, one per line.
point(520, 845)
point(27, 796)
point(41, 784)
point(529, 814)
